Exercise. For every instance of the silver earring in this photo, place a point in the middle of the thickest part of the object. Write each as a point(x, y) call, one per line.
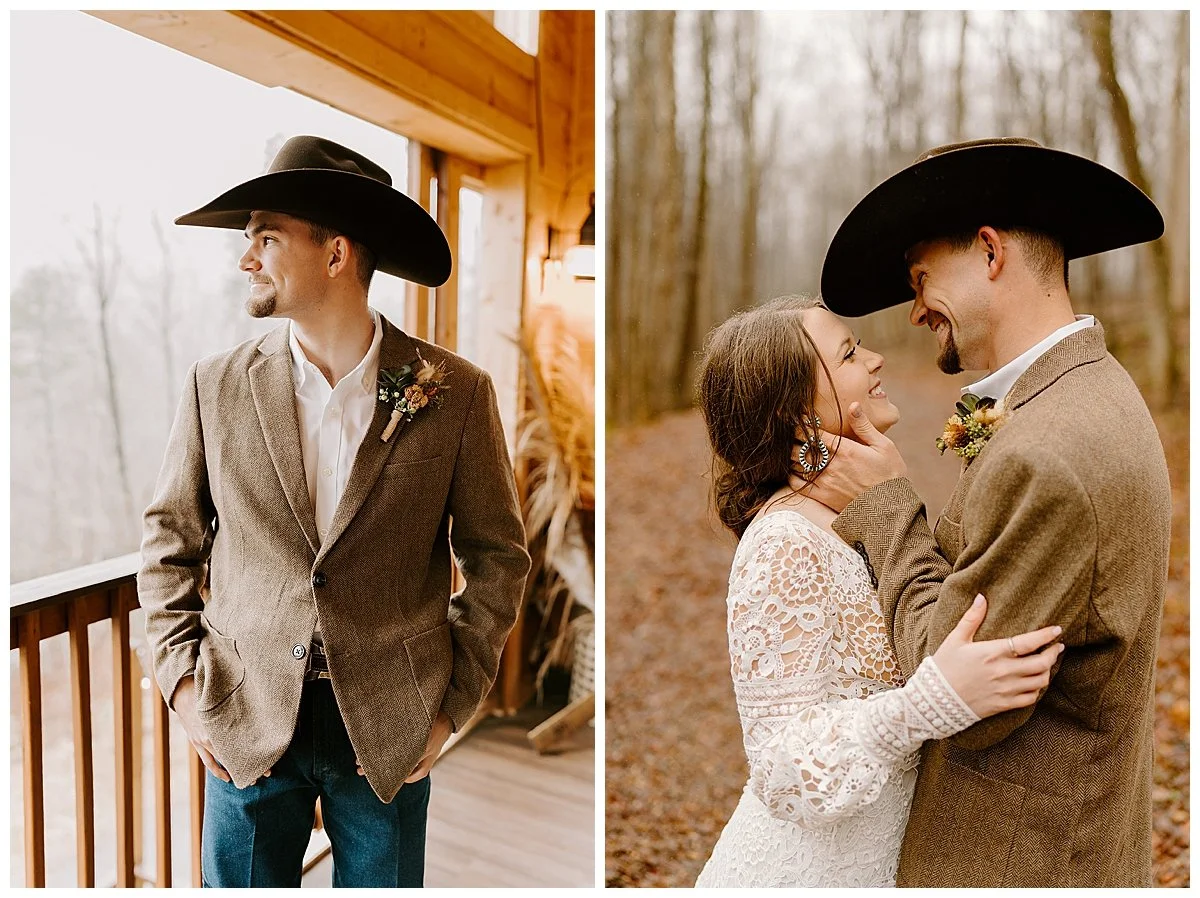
point(814, 448)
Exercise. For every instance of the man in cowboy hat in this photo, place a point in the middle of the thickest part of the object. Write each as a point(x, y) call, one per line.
point(1061, 514)
point(311, 477)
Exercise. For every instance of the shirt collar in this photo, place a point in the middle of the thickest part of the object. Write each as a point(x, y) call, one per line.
point(368, 368)
point(999, 382)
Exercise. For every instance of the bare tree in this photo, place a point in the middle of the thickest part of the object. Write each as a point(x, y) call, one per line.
point(166, 293)
point(1098, 26)
point(616, 333)
point(102, 261)
point(960, 79)
point(694, 259)
point(746, 39)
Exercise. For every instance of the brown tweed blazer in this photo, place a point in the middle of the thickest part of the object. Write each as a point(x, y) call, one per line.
point(232, 501)
point(1064, 519)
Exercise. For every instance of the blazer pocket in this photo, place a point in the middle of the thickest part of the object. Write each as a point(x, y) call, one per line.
point(431, 656)
point(219, 669)
point(973, 798)
point(949, 537)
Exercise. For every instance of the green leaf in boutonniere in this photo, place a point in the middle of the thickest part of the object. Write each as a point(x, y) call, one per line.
point(976, 422)
point(408, 391)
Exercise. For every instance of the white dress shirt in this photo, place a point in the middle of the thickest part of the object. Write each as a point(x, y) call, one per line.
point(999, 382)
point(333, 422)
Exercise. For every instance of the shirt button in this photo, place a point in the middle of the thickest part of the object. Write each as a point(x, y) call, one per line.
point(333, 410)
point(318, 579)
point(328, 472)
point(299, 651)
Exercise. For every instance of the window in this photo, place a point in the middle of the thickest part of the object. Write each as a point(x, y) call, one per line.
point(111, 302)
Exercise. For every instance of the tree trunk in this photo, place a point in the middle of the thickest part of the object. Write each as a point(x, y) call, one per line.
point(166, 317)
point(691, 293)
point(747, 40)
point(1098, 26)
point(616, 349)
point(104, 265)
point(960, 80)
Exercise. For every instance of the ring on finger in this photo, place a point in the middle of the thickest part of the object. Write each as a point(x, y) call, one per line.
point(1012, 648)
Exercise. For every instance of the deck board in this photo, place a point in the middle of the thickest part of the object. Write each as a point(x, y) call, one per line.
point(502, 815)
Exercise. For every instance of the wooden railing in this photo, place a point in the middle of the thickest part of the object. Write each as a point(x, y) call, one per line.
point(68, 603)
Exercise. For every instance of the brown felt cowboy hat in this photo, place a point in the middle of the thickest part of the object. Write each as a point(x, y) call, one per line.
point(324, 182)
point(1002, 182)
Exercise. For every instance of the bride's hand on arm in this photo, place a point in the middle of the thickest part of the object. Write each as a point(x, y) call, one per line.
point(986, 675)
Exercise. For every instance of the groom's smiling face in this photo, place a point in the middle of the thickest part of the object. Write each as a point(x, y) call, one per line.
point(950, 289)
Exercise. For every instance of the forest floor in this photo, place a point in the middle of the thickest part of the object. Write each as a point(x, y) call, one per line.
point(674, 760)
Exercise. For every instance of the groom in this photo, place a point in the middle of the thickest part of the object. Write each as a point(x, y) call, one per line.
point(317, 479)
point(1061, 517)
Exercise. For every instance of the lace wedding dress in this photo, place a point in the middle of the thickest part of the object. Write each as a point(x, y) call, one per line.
point(831, 730)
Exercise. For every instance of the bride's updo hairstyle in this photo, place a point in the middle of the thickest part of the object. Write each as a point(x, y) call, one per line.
point(757, 384)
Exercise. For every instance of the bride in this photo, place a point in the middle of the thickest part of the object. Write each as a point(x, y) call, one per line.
point(831, 730)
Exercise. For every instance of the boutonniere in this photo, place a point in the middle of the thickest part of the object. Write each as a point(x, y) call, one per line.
point(408, 391)
point(976, 422)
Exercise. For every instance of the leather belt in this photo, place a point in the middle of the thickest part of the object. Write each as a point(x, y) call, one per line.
point(318, 664)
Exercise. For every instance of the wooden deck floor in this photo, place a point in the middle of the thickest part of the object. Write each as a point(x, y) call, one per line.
point(502, 815)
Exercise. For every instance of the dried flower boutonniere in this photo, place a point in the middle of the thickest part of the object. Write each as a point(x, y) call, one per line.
point(407, 392)
point(976, 422)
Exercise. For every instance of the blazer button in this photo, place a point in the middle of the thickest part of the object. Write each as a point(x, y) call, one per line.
point(318, 579)
point(299, 651)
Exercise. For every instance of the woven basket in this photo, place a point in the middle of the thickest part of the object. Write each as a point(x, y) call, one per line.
point(583, 664)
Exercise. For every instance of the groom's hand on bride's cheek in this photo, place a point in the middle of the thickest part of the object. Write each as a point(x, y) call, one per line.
point(854, 466)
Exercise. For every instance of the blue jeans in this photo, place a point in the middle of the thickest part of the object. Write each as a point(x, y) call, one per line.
point(257, 836)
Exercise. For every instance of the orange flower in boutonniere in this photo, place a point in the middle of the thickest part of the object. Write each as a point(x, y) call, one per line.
point(407, 392)
point(976, 422)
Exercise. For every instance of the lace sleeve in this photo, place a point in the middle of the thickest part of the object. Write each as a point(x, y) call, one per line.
point(816, 753)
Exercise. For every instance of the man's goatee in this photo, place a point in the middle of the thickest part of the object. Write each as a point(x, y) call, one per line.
point(260, 308)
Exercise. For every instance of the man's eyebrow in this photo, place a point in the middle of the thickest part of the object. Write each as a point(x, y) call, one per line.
point(251, 231)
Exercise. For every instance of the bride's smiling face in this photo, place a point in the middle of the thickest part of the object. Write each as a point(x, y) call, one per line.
point(855, 371)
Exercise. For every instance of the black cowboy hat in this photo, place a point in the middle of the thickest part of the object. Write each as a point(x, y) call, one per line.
point(324, 182)
point(1002, 182)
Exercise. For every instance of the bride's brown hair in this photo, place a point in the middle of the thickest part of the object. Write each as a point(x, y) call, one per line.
point(757, 384)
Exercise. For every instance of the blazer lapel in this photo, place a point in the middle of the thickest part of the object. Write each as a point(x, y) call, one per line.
point(395, 351)
point(274, 394)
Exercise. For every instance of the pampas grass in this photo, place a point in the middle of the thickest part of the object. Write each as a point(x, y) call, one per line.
point(556, 460)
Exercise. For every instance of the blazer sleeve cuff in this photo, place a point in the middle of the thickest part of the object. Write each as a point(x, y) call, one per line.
point(458, 708)
point(870, 521)
point(173, 667)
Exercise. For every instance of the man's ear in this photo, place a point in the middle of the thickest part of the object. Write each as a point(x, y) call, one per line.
point(339, 255)
point(991, 243)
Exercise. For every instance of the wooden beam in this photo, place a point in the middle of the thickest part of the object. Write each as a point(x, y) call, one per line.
point(445, 322)
point(325, 56)
point(418, 299)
